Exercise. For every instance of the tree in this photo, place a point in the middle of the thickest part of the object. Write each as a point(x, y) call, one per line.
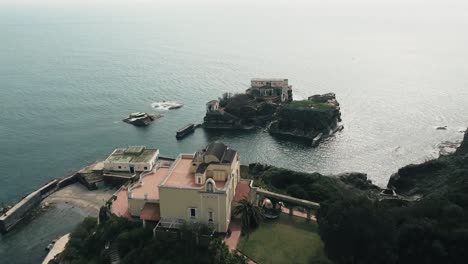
point(251, 215)
point(104, 214)
point(357, 230)
point(219, 253)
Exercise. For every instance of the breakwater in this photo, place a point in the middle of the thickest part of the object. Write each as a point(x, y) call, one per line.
point(20, 210)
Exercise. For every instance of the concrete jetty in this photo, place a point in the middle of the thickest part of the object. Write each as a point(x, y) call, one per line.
point(13, 216)
point(58, 248)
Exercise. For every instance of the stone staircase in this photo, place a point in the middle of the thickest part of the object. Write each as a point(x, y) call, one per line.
point(114, 254)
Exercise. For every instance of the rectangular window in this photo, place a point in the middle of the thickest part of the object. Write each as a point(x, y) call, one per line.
point(193, 212)
point(120, 167)
point(146, 168)
point(210, 216)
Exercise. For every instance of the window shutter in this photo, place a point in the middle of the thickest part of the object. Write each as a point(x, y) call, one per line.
point(188, 212)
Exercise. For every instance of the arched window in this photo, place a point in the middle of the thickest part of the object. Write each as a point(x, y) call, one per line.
point(209, 187)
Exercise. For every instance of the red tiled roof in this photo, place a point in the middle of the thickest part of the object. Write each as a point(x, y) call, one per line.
point(120, 205)
point(242, 191)
point(149, 185)
point(151, 211)
point(182, 178)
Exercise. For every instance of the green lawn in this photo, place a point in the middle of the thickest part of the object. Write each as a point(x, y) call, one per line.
point(309, 104)
point(284, 240)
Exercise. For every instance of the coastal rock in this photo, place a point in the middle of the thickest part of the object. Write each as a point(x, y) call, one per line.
point(432, 175)
point(463, 149)
point(239, 111)
point(312, 119)
point(308, 118)
point(358, 180)
point(141, 119)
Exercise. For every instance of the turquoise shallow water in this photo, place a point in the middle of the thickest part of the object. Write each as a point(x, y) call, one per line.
point(68, 75)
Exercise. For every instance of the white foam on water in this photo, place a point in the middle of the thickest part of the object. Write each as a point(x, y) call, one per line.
point(166, 105)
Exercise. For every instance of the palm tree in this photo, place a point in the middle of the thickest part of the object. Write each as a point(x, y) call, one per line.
point(251, 215)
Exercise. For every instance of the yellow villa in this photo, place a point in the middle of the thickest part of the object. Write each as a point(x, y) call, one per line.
point(199, 188)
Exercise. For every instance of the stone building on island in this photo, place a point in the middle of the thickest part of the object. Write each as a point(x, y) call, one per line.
point(272, 89)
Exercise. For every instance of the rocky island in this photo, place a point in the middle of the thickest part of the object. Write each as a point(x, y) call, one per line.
point(314, 118)
point(268, 104)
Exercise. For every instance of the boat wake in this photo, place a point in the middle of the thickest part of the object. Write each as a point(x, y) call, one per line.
point(166, 105)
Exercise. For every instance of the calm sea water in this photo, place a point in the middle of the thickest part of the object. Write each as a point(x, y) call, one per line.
point(70, 73)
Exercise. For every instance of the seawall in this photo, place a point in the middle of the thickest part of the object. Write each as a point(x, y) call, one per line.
point(14, 215)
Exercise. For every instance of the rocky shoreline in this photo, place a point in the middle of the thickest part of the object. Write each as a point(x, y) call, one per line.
point(317, 117)
point(433, 175)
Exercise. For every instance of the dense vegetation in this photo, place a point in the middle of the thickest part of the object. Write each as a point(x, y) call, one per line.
point(307, 118)
point(357, 226)
point(250, 215)
point(248, 109)
point(302, 119)
point(434, 229)
point(310, 186)
point(93, 243)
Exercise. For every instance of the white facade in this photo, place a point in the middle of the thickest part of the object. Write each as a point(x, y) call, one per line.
point(212, 106)
point(267, 87)
point(119, 161)
point(273, 82)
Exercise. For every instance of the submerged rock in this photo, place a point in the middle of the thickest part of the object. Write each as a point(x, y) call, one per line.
point(141, 119)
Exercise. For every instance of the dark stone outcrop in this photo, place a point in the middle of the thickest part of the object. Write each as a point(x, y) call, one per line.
point(319, 115)
point(433, 175)
point(463, 149)
point(357, 180)
point(240, 111)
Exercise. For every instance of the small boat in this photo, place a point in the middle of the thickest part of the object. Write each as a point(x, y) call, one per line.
point(175, 106)
point(182, 132)
point(51, 245)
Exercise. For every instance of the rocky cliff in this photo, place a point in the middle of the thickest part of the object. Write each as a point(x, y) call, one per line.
point(438, 175)
point(318, 115)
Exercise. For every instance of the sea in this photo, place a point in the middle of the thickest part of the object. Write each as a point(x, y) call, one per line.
point(70, 71)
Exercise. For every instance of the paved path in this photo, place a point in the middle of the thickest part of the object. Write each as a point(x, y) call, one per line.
point(233, 239)
point(59, 246)
point(76, 194)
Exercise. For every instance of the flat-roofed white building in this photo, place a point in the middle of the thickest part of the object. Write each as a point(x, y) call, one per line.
point(271, 89)
point(132, 159)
